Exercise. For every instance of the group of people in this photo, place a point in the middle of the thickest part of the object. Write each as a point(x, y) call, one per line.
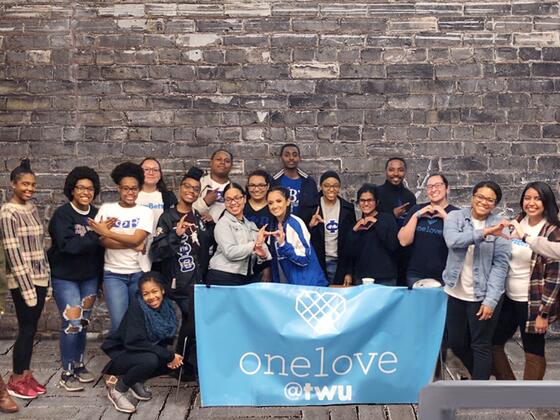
point(151, 247)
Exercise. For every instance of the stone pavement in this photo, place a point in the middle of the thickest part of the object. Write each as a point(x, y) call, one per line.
point(92, 404)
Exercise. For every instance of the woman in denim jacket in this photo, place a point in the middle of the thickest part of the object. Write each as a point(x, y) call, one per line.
point(474, 277)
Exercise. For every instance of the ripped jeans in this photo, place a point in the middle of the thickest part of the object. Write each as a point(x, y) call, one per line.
point(75, 301)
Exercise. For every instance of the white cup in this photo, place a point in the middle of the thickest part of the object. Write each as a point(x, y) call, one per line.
point(368, 280)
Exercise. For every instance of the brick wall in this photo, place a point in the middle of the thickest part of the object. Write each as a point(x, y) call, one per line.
point(468, 88)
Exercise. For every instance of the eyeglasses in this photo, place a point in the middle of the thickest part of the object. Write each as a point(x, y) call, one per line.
point(366, 200)
point(82, 189)
point(231, 200)
point(127, 190)
point(331, 186)
point(154, 170)
point(435, 186)
point(488, 200)
point(190, 188)
point(254, 186)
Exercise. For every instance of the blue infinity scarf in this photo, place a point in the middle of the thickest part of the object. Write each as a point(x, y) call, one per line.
point(160, 323)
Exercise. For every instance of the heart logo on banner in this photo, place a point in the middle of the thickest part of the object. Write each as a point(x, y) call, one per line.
point(320, 310)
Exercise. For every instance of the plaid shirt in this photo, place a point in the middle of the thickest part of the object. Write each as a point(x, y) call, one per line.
point(544, 284)
point(22, 235)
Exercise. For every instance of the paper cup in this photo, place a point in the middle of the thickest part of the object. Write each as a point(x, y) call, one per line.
point(368, 280)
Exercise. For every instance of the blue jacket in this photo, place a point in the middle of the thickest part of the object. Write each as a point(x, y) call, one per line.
point(491, 256)
point(296, 257)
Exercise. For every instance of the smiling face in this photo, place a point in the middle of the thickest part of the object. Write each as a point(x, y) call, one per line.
point(290, 157)
point(257, 187)
point(395, 172)
point(235, 202)
point(436, 189)
point(278, 204)
point(330, 188)
point(152, 294)
point(483, 202)
point(221, 163)
point(152, 172)
point(128, 191)
point(189, 190)
point(367, 203)
point(24, 187)
point(82, 193)
point(532, 204)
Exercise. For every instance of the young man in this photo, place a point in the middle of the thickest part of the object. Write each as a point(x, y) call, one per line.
point(181, 243)
point(396, 199)
point(211, 200)
point(302, 187)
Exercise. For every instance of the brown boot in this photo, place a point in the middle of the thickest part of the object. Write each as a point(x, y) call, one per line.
point(7, 403)
point(535, 366)
point(500, 365)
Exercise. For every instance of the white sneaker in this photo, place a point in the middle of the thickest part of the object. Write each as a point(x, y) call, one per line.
point(120, 401)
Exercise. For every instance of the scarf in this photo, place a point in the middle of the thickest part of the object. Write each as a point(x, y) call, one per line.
point(160, 323)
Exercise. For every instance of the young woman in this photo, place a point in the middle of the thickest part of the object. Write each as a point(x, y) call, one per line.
point(27, 274)
point(125, 242)
point(139, 348)
point(155, 196)
point(182, 245)
point(294, 259)
point(330, 221)
point(423, 232)
point(239, 243)
point(371, 245)
point(76, 259)
point(474, 276)
point(532, 286)
point(256, 211)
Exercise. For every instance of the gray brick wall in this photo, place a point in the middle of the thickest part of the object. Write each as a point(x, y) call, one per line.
point(469, 88)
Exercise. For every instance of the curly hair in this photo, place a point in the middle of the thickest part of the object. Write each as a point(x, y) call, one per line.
point(128, 169)
point(81, 172)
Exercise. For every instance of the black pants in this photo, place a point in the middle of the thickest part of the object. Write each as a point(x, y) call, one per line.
point(187, 330)
point(469, 338)
point(512, 316)
point(27, 318)
point(134, 367)
point(223, 278)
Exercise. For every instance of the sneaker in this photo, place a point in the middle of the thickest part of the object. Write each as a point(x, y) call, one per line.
point(120, 401)
point(37, 387)
point(82, 374)
point(21, 388)
point(69, 382)
point(140, 393)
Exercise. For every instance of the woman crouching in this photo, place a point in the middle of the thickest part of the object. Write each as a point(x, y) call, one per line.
point(138, 349)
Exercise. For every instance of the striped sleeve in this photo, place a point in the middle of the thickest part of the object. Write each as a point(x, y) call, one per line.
point(15, 262)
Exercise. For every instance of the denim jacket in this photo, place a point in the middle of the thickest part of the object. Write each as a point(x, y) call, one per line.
point(491, 256)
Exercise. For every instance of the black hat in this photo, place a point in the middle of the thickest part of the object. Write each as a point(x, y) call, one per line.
point(194, 173)
point(329, 174)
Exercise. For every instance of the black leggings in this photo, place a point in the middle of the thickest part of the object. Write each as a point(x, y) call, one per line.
point(134, 367)
point(513, 315)
point(27, 318)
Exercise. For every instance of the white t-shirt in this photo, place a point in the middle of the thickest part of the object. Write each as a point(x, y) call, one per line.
point(154, 202)
point(520, 266)
point(125, 261)
point(330, 216)
point(464, 289)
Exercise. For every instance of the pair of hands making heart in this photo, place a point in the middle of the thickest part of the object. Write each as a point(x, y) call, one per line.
point(365, 223)
point(512, 227)
point(431, 211)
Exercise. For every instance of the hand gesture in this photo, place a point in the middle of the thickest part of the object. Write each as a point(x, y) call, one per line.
point(279, 235)
point(100, 227)
point(439, 212)
point(484, 313)
point(516, 230)
point(206, 218)
point(497, 230)
point(316, 219)
point(176, 362)
point(401, 210)
point(258, 248)
point(211, 197)
point(427, 210)
point(183, 225)
point(364, 223)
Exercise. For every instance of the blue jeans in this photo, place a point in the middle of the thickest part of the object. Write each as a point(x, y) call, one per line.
point(119, 289)
point(74, 300)
point(330, 265)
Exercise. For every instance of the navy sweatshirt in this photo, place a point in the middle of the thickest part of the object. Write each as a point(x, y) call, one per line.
point(75, 253)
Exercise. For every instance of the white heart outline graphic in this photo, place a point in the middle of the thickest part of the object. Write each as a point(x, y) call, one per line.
point(320, 310)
